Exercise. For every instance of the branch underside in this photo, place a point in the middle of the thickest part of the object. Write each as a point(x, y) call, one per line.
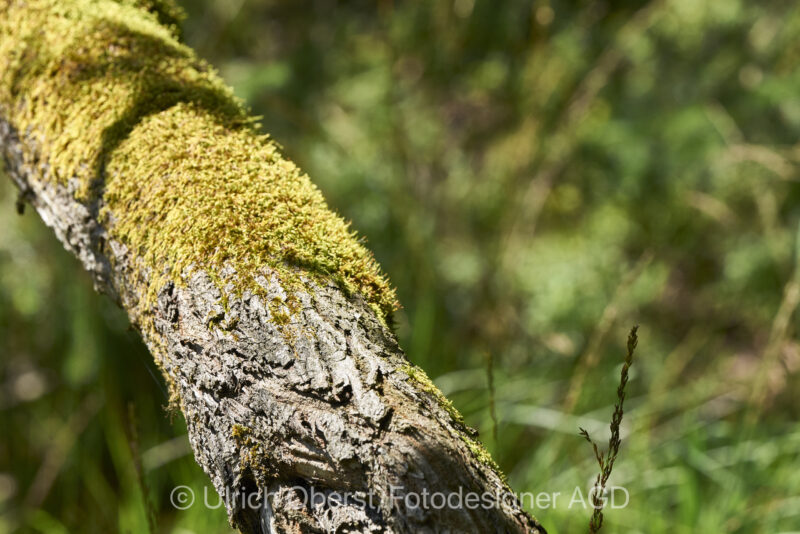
point(310, 423)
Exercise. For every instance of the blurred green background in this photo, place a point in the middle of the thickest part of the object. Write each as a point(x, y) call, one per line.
point(535, 177)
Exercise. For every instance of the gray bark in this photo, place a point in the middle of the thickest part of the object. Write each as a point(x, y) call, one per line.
point(322, 407)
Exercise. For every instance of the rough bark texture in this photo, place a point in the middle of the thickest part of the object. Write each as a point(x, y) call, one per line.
point(304, 411)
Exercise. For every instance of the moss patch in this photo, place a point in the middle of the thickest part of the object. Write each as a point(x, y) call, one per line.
point(477, 449)
point(426, 384)
point(168, 12)
point(113, 104)
point(253, 459)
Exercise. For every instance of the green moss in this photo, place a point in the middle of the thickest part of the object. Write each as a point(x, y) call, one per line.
point(168, 12)
point(253, 459)
point(480, 453)
point(240, 432)
point(113, 104)
point(426, 384)
point(281, 312)
point(477, 449)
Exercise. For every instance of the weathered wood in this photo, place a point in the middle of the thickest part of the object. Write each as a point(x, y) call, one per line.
point(289, 393)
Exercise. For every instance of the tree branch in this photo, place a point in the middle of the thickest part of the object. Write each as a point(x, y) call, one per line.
point(267, 318)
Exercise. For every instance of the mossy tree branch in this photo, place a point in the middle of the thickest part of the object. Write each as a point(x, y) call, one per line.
point(265, 314)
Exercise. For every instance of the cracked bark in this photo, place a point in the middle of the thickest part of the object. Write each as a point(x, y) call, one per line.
point(321, 406)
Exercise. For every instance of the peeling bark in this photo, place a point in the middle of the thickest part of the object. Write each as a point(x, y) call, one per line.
point(287, 397)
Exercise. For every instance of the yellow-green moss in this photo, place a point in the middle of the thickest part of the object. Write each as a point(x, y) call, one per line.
point(168, 12)
point(426, 384)
point(281, 312)
point(111, 102)
point(253, 459)
point(477, 449)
